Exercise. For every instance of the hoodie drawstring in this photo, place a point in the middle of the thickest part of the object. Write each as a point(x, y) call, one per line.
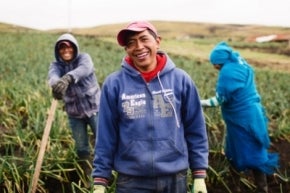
point(166, 96)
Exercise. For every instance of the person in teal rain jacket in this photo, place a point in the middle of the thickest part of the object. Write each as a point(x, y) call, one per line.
point(247, 139)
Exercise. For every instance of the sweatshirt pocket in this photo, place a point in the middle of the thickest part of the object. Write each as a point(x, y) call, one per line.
point(146, 152)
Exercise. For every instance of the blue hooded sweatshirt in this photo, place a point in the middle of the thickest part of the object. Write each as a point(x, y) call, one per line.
point(247, 137)
point(150, 129)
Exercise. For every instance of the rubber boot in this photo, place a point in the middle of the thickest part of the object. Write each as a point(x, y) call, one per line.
point(260, 181)
point(85, 164)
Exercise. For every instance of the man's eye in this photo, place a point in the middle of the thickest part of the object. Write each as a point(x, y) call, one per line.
point(129, 44)
point(144, 39)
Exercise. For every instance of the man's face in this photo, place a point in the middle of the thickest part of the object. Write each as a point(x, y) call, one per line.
point(66, 52)
point(142, 49)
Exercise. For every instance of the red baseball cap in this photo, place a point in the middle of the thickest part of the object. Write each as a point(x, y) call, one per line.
point(136, 26)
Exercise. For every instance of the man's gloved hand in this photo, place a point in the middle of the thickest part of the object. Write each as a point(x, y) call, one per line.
point(99, 189)
point(211, 102)
point(62, 84)
point(204, 102)
point(198, 186)
point(56, 95)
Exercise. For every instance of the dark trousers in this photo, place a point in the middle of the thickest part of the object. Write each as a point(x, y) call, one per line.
point(260, 181)
point(173, 183)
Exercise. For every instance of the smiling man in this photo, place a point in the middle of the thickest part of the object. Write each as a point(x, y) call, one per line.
point(73, 80)
point(151, 125)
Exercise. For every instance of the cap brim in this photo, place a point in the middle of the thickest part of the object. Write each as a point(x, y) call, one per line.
point(67, 43)
point(122, 34)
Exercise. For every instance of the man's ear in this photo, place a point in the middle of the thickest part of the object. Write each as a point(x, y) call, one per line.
point(158, 40)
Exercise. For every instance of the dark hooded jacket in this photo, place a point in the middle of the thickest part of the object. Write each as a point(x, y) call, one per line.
point(83, 94)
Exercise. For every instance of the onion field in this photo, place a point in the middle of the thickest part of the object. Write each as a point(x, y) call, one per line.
point(25, 99)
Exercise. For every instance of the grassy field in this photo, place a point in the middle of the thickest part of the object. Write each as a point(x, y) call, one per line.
point(25, 97)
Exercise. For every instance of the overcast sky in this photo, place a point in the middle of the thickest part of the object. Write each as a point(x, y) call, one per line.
point(51, 14)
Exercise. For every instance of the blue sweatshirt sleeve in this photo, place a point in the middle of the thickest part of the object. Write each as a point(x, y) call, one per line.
point(106, 135)
point(195, 128)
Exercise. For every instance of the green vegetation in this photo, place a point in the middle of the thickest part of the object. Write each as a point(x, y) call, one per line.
point(25, 97)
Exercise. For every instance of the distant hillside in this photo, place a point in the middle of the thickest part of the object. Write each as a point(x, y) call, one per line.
point(5, 27)
point(195, 40)
point(191, 29)
point(169, 29)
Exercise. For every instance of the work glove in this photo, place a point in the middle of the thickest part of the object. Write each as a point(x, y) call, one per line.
point(198, 186)
point(99, 189)
point(204, 103)
point(62, 84)
point(211, 102)
point(56, 95)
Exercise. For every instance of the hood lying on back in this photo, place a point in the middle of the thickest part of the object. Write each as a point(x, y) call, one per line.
point(72, 40)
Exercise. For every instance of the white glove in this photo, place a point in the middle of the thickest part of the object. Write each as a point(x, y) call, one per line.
point(99, 189)
point(205, 102)
point(211, 102)
point(198, 186)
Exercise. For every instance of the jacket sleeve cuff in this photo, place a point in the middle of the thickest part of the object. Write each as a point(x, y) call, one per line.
point(101, 181)
point(199, 174)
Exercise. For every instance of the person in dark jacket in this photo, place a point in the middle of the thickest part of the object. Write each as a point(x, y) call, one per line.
point(247, 138)
point(73, 80)
point(152, 128)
